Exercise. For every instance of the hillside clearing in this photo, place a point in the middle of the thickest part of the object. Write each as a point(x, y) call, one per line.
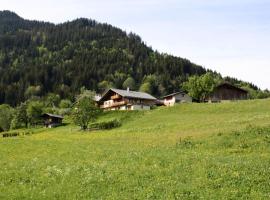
point(191, 151)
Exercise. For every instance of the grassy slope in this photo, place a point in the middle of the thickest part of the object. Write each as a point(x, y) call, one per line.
point(189, 151)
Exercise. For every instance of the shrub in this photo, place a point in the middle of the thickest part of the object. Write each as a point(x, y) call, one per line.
point(11, 134)
point(106, 125)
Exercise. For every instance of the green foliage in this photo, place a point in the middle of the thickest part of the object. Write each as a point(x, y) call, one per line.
point(6, 115)
point(119, 78)
point(104, 85)
point(65, 103)
point(20, 118)
point(85, 110)
point(129, 83)
point(146, 87)
point(34, 111)
point(199, 87)
point(106, 125)
point(38, 58)
point(52, 100)
point(32, 91)
point(255, 94)
point(65, 106)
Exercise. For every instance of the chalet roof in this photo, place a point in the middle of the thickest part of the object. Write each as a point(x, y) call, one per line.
point(231, 86)
point(130, 94)
point(175, 93)
point(52, 115)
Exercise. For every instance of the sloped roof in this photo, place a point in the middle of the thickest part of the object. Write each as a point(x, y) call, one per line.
point(52, 115)
point(175, 93)
point(131, 94)
point(231, 86)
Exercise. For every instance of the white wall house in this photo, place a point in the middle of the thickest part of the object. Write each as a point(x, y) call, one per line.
point(178, 97)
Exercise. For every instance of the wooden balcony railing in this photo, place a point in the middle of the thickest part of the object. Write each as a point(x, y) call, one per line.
point(116, 96)
point(115, 104)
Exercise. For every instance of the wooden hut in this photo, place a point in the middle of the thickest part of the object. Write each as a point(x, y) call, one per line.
point(177, 97)
point(51, 120)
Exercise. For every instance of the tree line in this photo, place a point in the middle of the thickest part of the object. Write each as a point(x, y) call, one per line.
point(29, 114)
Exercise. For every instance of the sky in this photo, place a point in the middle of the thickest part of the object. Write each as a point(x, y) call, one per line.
point(231, 37)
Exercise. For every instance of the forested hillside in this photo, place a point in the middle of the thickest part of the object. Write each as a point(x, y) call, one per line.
point(38, 58)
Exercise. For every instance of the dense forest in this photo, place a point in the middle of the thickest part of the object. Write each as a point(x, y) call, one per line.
point(37, 58)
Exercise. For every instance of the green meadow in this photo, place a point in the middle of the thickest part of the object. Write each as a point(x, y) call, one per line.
point(190, 151)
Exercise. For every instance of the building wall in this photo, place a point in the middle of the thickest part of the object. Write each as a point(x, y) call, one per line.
point(140, 107)
point(170, 101)
point(183, 98)
point(132, 107)
point(179, 98)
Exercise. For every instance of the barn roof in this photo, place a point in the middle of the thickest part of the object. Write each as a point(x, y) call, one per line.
point(231, 86)
point(52, 115)
point(130, 94)
point(175, 93)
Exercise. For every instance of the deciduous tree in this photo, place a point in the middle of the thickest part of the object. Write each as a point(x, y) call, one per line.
point(85, 110)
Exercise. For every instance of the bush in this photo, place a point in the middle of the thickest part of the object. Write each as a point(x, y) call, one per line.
point(11, 134)
point(106, 125)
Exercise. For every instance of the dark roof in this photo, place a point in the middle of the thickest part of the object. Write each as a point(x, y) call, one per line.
point(130, 94)
point(231, 86)
point(52, 115)
point(175, 93)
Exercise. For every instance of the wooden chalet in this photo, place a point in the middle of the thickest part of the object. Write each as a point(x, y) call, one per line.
point(227, 91)
point(115, 99)
point(51, 120)
point(177, 97)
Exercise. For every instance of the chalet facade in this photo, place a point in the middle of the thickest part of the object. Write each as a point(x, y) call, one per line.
point(51, 120)
point(177, 97)
point(115, 99)
point(227, 91)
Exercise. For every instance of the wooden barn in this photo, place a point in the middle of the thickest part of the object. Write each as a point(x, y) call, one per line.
point(227, 91)
point(51, 120)
point(115, 99)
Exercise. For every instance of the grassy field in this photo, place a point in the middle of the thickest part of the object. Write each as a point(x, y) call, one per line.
point(191, 151)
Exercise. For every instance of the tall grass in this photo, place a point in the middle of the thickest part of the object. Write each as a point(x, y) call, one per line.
point(191, 151)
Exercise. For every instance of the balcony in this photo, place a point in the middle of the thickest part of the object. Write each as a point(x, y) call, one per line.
point(114, 104)
point(116, 96)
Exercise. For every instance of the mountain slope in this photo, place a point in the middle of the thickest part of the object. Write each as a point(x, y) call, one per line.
point(65, 57)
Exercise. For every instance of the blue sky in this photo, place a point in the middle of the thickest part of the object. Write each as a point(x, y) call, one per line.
point(229, 36)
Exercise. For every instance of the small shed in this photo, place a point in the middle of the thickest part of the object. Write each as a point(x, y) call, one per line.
point(51, 120)
point(177, 97)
